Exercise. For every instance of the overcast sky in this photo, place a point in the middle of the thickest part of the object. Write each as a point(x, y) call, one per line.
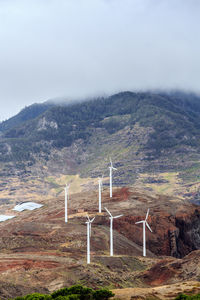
point(79, 48)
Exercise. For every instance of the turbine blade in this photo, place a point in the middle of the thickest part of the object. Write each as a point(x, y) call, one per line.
point(117, 216)
point(88, 218)
point(148, 226)
point(92, 220)
point(147, 214)
point(139, 222)
point(108, 212)
point(114, 168)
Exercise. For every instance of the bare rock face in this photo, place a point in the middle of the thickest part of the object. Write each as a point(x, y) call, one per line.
point(176, 228)
point(179, 234)
point(189, 232)
point(169, 271)
point(43, 124)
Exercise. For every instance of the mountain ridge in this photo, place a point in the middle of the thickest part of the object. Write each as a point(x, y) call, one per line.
point(146, 134)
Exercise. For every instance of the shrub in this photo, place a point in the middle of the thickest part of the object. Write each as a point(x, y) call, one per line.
point(102, 294)
point(37, 296)
point(61, 292)
point(188, 297)
point(75, 292)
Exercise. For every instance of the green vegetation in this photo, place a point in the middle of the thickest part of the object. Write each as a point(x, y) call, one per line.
point(78, 292)
point(173, 122)
point(75, 292)
point(26, 114)
point(188, 297)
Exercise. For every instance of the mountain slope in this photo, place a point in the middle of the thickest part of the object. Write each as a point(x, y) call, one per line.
point(39, 251)
point(174, 121)
point(26, 114)
point(144, 133)
point(154, 142)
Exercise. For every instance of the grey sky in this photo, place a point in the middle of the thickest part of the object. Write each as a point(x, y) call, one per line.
point(78, 48)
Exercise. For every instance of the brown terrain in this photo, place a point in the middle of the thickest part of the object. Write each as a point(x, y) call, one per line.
point(40, 252)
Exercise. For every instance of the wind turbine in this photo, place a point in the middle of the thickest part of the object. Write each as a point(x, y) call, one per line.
point(100, 190)
point(111, 168)
point(66, 200)
point(144, 233)
point(111, 230)
point(89, 227)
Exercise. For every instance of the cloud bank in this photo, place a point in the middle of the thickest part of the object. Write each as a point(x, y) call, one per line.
point(80, 48)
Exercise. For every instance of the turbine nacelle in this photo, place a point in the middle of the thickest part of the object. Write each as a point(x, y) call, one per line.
point(89, 221)
point(111, 170)
point(67, 187)
point(89, 225)
point(100, 182)
point(111, 229)
point(115, 217)
point(111, 217)
point(145, 223)
point(111, 165)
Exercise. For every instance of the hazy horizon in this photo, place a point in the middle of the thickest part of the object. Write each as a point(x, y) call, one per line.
point(79, 49)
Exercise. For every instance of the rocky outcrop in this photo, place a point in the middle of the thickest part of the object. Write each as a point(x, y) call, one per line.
point(169, 270)
point(176, 229)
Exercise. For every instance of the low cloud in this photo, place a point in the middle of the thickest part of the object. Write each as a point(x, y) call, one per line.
point(77, 49)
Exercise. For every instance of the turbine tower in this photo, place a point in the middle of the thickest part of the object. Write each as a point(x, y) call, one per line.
point(144, 233)
point(111, 168)
point(111, 229)
point(100, 190)
point(89, 227)
point(66, 200)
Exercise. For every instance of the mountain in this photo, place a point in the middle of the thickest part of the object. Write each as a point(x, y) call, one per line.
point(154, 142)
point(26, 114)
point(153, 139)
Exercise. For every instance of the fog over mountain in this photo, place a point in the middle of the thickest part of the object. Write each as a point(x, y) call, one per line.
point(77, 49)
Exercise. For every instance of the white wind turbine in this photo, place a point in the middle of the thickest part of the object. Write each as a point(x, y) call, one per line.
point(111, 168)
point(111, 230)
point(100, 190)
point(66, 201)
point(89, 227)
point(144, 233)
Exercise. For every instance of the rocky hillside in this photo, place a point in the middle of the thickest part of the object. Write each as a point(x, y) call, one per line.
point(153, 139)
point(39, 252)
